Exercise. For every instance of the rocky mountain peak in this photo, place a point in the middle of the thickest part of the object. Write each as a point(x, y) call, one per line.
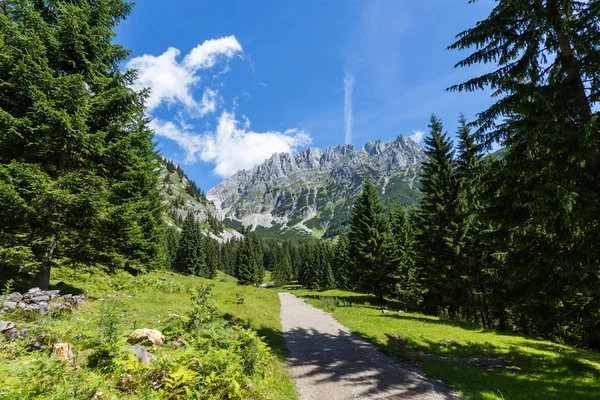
point(292, 190)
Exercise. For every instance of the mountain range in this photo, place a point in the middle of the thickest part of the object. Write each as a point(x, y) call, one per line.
point(312, 193)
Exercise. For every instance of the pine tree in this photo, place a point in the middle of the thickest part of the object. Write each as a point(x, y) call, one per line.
point(542, 196)
point(282, 270)
point(369, 245)
point(69, 129)
point(191, 256)
point(249, 266)
point(171, 245)
point(342, 263)
point(403, 254)
point(436, 220)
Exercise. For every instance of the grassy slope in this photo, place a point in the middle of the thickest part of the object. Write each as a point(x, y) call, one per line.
point(530, 370)
point(148, 308)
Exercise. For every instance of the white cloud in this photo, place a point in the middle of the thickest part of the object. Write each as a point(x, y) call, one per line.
point(232, 146)
point(205, 55)
point(173, 82)
point(417, 136)
point(348, 88)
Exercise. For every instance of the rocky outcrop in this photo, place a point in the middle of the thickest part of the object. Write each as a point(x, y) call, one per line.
point(41, 301)
point(306, 191)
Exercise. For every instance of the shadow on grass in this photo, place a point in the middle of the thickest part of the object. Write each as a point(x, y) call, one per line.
point(24, 286)
point(529, 371)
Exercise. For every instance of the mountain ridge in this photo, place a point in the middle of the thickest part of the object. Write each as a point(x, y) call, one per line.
point(305, 192)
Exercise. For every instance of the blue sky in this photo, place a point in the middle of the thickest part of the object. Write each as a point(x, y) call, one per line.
point(235, 81)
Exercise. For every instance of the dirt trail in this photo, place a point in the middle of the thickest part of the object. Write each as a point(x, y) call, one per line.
point(329, 363)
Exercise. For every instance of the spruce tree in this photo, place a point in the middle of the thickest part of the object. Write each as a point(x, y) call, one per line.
point(76, 159)
point(213, 257)
point(342, 263)
point(249, 266)
point(191, 257)
point(244, 266)
point(369, 245)
point(171, 245)
point(282, 270)
point(542, 196)
point(403, 254)
point(436, 219)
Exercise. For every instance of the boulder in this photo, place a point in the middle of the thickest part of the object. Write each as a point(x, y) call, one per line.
point(34, 290)
point(146, 337)
point(142, 354)
point(64, 351)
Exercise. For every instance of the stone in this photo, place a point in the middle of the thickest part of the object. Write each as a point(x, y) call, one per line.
point(146, 337)
point(38, 299)
point(64, 351)
point(40, 342)
point(97, 396)
point(11, 305)
point(127, 382)
point(142, 354)
point(12, 334)
point(177, 343)
point(16, 297)
point(33, 307)
point(539, 338)
point(6, 326)
point(157, 377)
point(34, 290)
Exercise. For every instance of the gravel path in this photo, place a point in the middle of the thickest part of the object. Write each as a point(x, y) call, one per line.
point(329, 363)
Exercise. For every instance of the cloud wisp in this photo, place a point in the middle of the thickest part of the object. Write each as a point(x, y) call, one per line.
point(232, 145)
point(348, 89)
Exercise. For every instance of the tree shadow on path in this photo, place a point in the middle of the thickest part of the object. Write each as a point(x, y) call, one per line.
point(355, 365)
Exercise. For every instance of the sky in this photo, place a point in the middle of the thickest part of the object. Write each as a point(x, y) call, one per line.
point(233, 82)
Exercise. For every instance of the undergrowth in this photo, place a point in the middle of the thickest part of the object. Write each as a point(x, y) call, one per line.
point(204, 356)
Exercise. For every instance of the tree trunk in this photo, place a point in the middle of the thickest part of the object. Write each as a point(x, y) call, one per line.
point(42, 278)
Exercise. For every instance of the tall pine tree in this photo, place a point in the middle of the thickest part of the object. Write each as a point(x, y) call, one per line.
point(543, 195)
point(77, 168)
point(369, 245)
point(437, 219)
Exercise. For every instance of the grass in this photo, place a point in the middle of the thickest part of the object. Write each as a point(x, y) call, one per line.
point(477, 363)
point(146, 301)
